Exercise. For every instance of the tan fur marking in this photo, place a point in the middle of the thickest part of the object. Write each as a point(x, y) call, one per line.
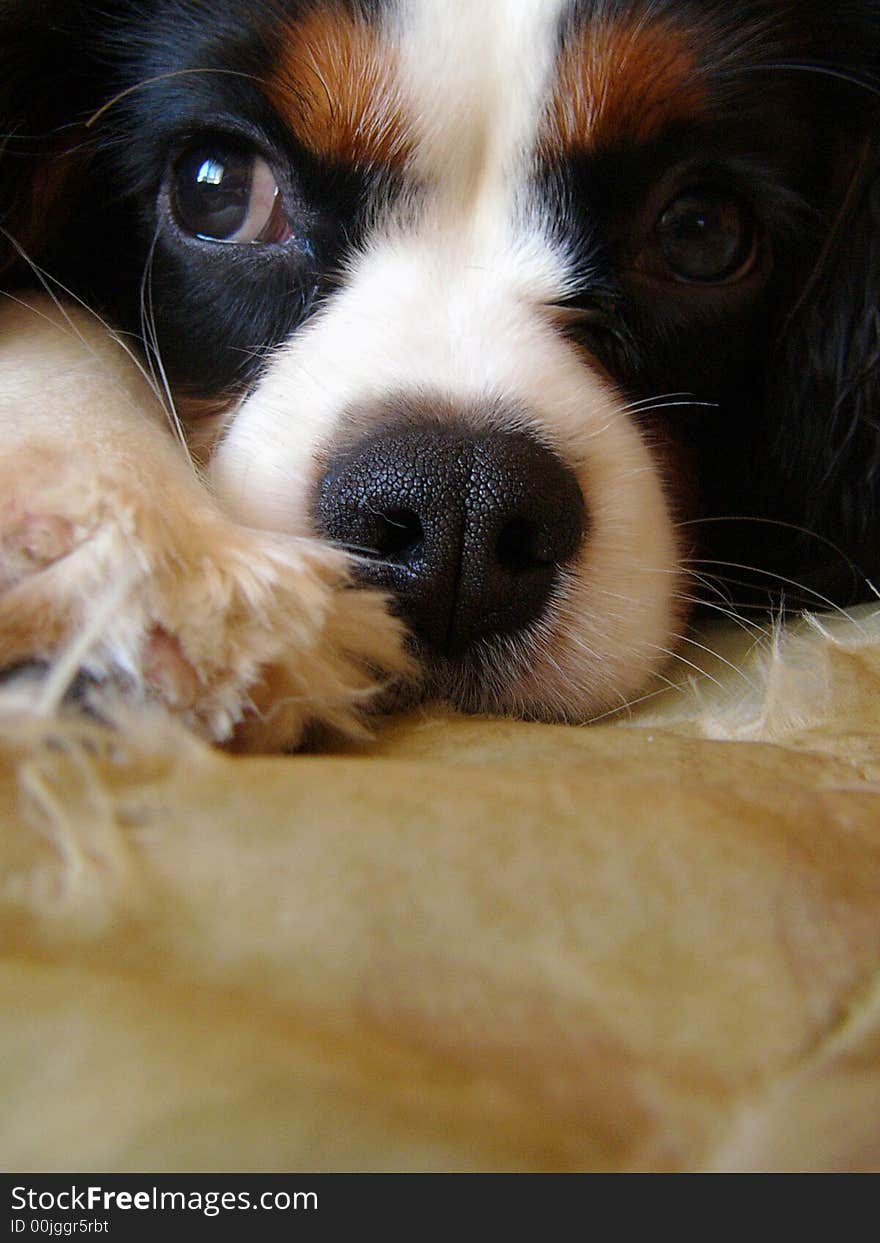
point(204, 419)
point(336, 86)
point(37, 213)
point(620, 83)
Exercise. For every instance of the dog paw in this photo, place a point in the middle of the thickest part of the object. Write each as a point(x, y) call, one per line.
point(246, 636)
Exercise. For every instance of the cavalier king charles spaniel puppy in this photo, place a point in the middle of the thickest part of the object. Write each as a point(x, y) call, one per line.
point(456, 348)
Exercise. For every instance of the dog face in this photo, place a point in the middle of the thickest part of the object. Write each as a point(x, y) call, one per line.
point(481, 292)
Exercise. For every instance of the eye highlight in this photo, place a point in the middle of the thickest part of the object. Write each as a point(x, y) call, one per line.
point(707, 236)
point(220, 194)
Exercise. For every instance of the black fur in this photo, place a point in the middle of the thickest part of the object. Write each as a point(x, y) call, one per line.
point(173, 69)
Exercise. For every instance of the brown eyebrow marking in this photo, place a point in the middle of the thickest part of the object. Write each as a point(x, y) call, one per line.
point(620, 82)
point(336, 85)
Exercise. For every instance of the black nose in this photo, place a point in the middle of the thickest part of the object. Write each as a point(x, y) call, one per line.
point(467, 530)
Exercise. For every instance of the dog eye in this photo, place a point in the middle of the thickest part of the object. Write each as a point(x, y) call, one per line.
point(223, 195)
point(707, 237)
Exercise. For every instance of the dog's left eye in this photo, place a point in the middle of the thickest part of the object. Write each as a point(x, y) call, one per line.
point(707, 237)
point(223, 195)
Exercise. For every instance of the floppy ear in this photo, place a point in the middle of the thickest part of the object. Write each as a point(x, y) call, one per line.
point(46, 90)
point(817, 459)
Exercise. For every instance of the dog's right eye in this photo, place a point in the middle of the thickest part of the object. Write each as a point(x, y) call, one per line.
point(220, 194)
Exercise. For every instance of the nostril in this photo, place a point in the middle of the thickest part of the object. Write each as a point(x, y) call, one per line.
point(398, 533)
point(521, 545)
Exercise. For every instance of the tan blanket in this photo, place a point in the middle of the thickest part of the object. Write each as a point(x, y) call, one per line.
point(648, 944)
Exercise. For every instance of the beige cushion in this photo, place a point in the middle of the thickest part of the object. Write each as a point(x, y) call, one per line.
point(647, 944)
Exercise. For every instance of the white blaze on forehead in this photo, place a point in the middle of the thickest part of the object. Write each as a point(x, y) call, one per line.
point(475, 73)
point(437, 299)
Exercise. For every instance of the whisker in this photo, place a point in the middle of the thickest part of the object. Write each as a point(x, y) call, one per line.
point(752, 628)
point(716, 586)
point(775, 522)
point(677, 656)
point(665, 401)
point(800, 600)
point(817, 67)
point(629, 704)
point(154, 357)
point(161, 77)
point(46, 281)
point(789, 582)
point(673, 405)
point(634, 405)
point(717, 656)
point(363, 556)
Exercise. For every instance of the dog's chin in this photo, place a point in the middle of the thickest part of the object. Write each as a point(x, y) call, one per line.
point(486, 680)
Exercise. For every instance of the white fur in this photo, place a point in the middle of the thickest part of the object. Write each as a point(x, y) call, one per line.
point(450, 299)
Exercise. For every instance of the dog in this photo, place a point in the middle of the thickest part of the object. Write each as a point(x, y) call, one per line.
point(458, 348)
